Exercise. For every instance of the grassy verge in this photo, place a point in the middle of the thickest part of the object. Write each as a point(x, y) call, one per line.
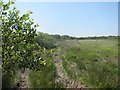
point(45, 78)
point(93, 62)
point(9, 79)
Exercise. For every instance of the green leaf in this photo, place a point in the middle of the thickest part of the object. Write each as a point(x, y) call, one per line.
point(12, 2)
point(36, 25)
point(4, 13)
point(29, 12)
point(6, 7)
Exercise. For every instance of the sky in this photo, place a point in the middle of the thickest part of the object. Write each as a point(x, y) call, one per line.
point(74, 18)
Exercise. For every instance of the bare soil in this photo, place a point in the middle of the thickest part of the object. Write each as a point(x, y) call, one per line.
point(23, 80)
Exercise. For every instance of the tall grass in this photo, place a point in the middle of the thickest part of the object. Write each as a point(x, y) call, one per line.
point(95, 62)
point(45, 78)
point(9, 79)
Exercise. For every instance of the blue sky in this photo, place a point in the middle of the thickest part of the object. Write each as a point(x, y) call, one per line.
point(74, 18)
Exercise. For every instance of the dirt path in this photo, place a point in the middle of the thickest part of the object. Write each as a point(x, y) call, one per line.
point(62, 76)
point(23, 80)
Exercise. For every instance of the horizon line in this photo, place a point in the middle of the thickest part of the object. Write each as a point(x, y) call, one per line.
point(79, 36)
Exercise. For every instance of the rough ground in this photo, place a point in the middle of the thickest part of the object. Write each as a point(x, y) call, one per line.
point(63, 78)
point(23, 80)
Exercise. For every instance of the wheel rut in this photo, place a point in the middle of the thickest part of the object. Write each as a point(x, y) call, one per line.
point(63, 78)
point(23, 80)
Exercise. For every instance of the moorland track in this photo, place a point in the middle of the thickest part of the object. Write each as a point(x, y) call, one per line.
point(63, 78)
point(23, 80)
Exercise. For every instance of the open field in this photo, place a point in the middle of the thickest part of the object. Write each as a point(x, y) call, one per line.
point(74, 47)
point(92, 62)
point(79, 63)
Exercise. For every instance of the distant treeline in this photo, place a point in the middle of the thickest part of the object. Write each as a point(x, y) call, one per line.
point(49, 41)
point(99, 37)
point(67, 37)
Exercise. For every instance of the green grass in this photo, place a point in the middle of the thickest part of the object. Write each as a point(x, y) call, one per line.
point(45, 78)
point(93, 62)
point(9, 79)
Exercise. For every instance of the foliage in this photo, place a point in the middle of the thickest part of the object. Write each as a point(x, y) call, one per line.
point(45, 40)
point(8, 80)
point(18, 33)
point(56, 38)
point(21, 48)
point(99, 37)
